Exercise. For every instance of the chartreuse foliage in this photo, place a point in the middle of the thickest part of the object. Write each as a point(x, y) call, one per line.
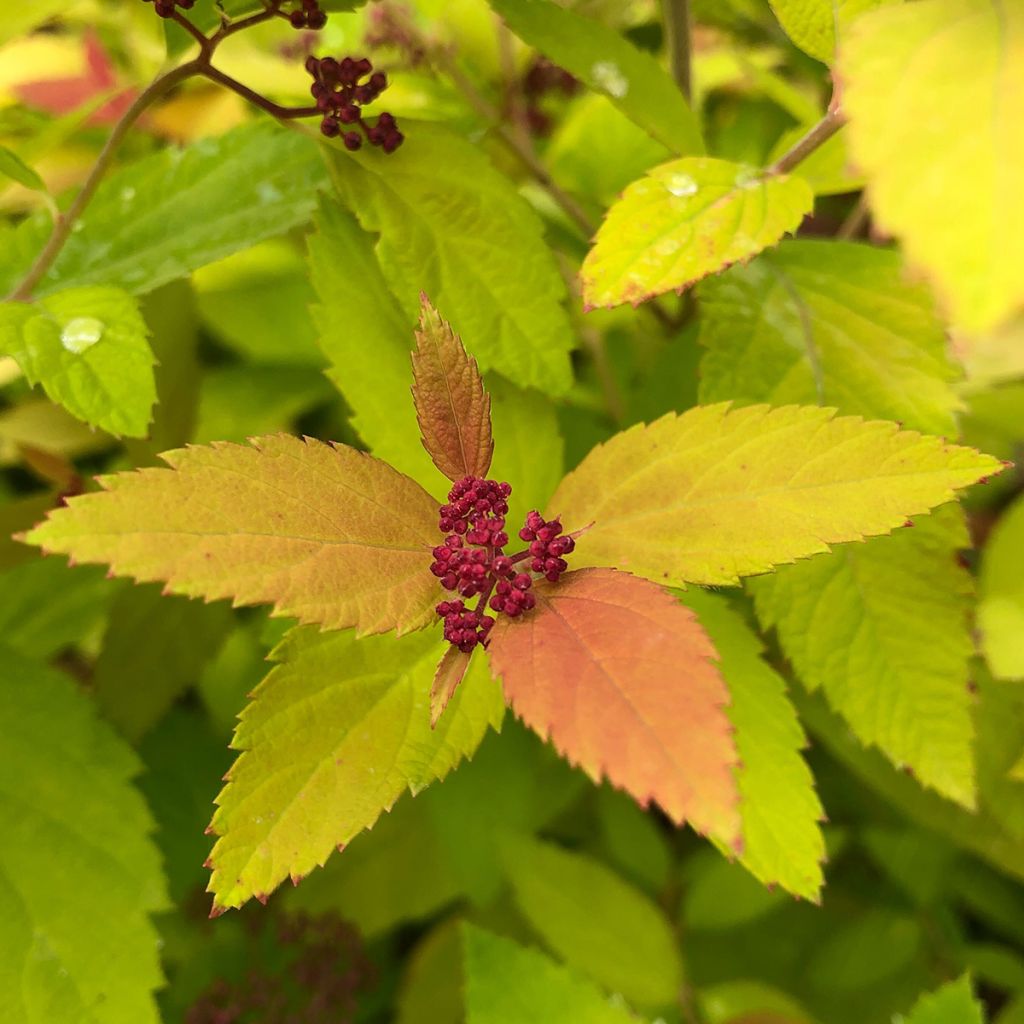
point(89, 349)
point(1001, 608)
point(79, 873)
point(648, 243)
point(935, 97)
point(609, 65)
point(838, 324)
point(506, 983)
point(335, 734)
point(952, 1004)
point(719, 493)
point(794, 420)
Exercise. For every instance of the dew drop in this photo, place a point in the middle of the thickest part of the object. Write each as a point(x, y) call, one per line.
point(608, 76)
point(127, 195)
point(667, 248)
point(681, 185)
point(81, 333)
point(268, 193)
point(748, 177)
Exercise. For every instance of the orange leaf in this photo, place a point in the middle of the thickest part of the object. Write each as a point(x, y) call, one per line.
point(453, 409)
point(450, 670)
point(621, 677)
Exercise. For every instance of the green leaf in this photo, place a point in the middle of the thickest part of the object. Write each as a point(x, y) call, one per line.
point(45, 606)
point(882, 629)
point(153, 650)
point(720, 493)
point(782, 840)
point(684, 220)
point(335, 734)
point(833, 322)
point(934, 92)
point(13, 167)
point(89, 349)
point(506, 983)
point(166, 215)
point(814, 25)
point(367, 339)
point(79, 874)
point(952, 1004)
point(609, 64)
point(323, 533)
point(595, 921)
point(451, 226)
point(1001, 608)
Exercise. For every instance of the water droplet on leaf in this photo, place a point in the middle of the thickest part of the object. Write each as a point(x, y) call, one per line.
point(681, 185)
point(81, 333)
point(609, 77)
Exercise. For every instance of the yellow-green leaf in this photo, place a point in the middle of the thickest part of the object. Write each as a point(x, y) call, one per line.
point(322, 532)
point(79, 872)
point(781, 813)
point(595, 921)
point(935, 96)
point(952, 1004)
point(720, 493)
point(1001, 609)
point(814, 25)
point(89, 349)
point(337, 731)
point(684, 220)
point(506, 983)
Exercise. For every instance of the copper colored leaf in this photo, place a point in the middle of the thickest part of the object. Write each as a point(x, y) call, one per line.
point(450, 670)
point(621, 678)
point(452, 407)
point(322, 532)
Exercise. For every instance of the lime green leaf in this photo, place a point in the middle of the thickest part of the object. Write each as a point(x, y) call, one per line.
point(720, 493)
point(782, 840)
point(609, 64)
point(596, 151)
point(367, 339)
point(1001, 609)
point(79, 874)
point(335, 734)
point(835, 322)
point(684, 220)
point(935, 96)
point(89, 349)
point(45, 606)
point(450, 225)
point(727, 1003)
point(322, 532)
point(506, 983)
point(166, 215)
point(153, 650)
point(814, 25)
point(882, 629)
point(952, 1004)
point(13, 167)
point(721, 895)
point(595, 921)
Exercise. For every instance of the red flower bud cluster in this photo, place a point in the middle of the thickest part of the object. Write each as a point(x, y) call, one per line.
point(340, 95)
point(472, 561)
point(165, 8)
point(547, 546)
point(309, 15)
point(465, 629)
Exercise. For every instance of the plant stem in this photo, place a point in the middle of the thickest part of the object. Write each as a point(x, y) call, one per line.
point(807, 144)
point(65, 222)
point(678, 25)
point(855, 219)
point(274, 109)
